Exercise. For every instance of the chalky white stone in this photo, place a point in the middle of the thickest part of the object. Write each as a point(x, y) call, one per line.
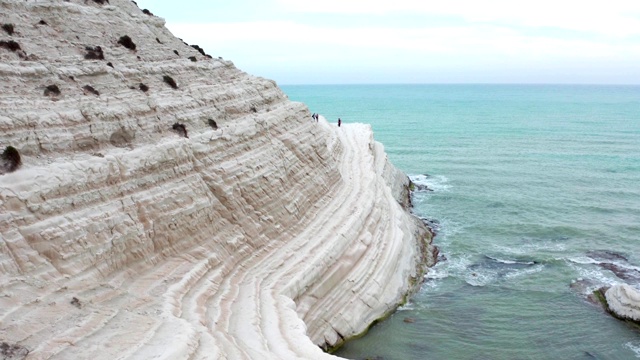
point(259, 240)
point(624, 301)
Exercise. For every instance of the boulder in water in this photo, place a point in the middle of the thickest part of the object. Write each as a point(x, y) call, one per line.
point(623, 302)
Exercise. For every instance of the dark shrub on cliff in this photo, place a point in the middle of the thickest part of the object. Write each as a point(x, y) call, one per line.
point(90, 89)
point(193, 58)
point(52, 90)
point(180, 129)
point(201, 50)
point(10, 159)
point(10, 45)
point(101, 2)
point(213, 124)
point(176, 52)
point(94, 53)
point(13, 351)
point(147, 12)
point(127, 42)
point(144, 87)
point(169, 80)
point(8, 28)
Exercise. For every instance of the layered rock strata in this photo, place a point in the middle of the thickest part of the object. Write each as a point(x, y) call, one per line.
point(177, 209)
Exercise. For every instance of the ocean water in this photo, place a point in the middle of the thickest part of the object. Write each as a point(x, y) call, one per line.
point(535, 193)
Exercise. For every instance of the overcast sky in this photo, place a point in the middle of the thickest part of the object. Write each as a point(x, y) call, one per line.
point(404, 41)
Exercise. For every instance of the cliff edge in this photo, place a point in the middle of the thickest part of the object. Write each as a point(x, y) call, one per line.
point(170, 206)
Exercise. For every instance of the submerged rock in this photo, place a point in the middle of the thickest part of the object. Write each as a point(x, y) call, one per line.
point(606, 256)
point(625, 273)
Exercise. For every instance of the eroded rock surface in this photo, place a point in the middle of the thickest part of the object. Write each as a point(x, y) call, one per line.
point(262, 237)
point(624, 301)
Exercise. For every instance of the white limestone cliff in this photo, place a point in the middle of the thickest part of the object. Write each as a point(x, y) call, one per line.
point(120, 238)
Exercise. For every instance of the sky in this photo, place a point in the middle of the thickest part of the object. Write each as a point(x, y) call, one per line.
point(404, 41)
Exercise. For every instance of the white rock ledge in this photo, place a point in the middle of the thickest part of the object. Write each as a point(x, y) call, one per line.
point(624, 301)
point(266, 238)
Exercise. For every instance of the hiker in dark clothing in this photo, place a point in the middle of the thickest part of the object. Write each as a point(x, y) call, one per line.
point(339, 122)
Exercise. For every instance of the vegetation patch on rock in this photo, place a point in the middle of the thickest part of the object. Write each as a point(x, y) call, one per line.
point(169, 80)
point(94, 53)
point(76, 302)
point(180, 129)
point(8, 28)
point(90, 89)
point(52, 90)
point(13, 351)
point(201, 50)
point(10, 45)
point(11, 160)
point(127, 42)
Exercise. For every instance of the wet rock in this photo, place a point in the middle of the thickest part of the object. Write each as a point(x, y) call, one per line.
point(586, 286)
point(606, 255)
point(421, 187)
point(432, 224)
point(624, 273)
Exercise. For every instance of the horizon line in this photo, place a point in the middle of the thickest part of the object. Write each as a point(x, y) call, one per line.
point(463, 83)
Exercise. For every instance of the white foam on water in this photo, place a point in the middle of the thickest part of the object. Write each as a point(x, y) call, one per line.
point(407, 307)
point(510, 261)
point(523, 272)
point(596, 273)
point(587, 260)
point(433, 182)
point(580, 260)
point(480, 278)
point(453, 266)
point(436, 273)
point(635, 347)
point(531, 248)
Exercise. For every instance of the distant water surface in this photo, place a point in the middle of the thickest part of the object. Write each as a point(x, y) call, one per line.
point(534, 187)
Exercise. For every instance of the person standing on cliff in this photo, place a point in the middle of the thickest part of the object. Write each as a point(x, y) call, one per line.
point(339, 122)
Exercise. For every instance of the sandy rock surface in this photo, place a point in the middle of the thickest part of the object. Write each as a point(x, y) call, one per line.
point(249, 231)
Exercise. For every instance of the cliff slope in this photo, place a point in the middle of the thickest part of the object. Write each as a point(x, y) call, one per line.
point(171, 206)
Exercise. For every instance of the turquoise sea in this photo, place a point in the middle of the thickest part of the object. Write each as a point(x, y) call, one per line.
point(535, 193)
